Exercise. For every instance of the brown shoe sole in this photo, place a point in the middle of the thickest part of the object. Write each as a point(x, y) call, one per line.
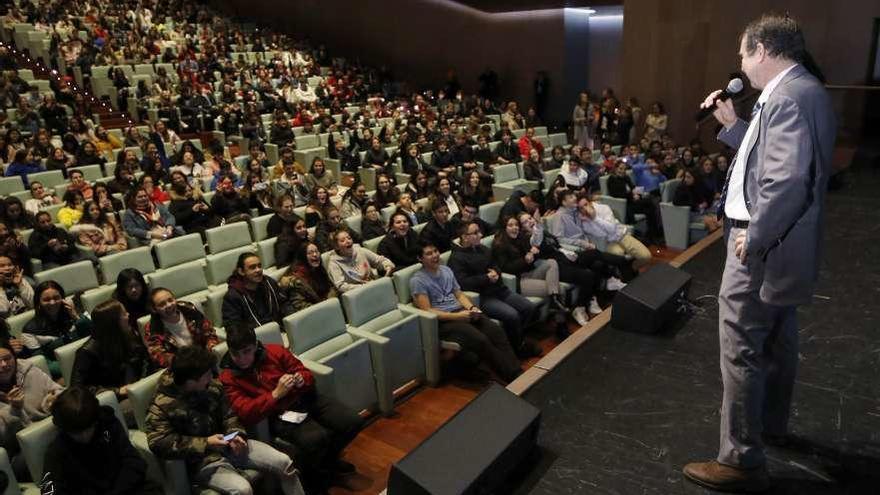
point(737, 487)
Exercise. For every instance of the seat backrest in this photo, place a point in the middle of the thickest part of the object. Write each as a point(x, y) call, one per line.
point(74, 278)
point(90, 173)
point(214, 306)
point(669, 189)
point(34, 440)
point(387, 212)
point(90, 299)
point(12, 488)
point(140, 395)
point(489, 212)
point(182, 280)
point(266, 250)
point(49, 179)
point(9, 185)
point(221, 265)
point(17, 322)
point(259, 226)
point(179, 250)
point(307, 142)
point(506, 173)
point(228, 237)
point(139, 258)
point(487, 241)
point(66, 355)
point(108, 398)
point(369, 301)
point(270, 333)
point(314, 325)
point(373, 244)
point(401, 282)
point(603, 185)
point(354, 223)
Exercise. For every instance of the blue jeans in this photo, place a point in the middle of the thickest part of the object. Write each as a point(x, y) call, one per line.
point(512, 310)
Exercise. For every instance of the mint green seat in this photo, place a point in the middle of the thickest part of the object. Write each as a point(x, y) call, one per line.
point(91, 173)
point(66, 356)
point(139, 258)
point(17, 322)
point(489, 212)
point(91, 298)
point(220, 266)
point(678, 229)
point(49, 179)
point(186, 281)
point(179, 250)
point(259, 226)
point(9, 185)
point(229, 236)
point(74, 278)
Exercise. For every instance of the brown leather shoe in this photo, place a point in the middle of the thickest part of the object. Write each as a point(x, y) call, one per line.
point(725, 478)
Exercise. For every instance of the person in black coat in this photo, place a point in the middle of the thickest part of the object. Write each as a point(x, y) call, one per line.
point(412, 160)
point(293, 235)
point(349, 159)
point(253, 298)
point(401, 244)
point(190, 211)
point(439, 231)
point(284, 215)
point(620, 185)
point(442, 160)
point(228, 204)
point(52, 245)
point(519, 202)
point(470, 212)
point(92, 454)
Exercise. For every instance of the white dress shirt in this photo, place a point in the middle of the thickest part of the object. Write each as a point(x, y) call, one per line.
point(735, 205)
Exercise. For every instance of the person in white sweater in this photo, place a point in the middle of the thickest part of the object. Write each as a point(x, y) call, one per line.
point(599, 222)
point(351, 266)
point(26, 395)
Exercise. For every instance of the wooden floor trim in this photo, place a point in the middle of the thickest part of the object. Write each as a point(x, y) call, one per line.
point(559, 353)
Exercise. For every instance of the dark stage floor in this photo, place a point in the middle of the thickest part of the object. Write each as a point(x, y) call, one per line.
point(627, 411)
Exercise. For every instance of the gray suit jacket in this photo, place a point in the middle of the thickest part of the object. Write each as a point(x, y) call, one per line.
point(787, 170)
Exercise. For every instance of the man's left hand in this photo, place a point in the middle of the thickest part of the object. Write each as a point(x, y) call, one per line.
point(740, 247)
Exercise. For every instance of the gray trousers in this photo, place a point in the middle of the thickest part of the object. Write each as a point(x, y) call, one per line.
point(759, 354)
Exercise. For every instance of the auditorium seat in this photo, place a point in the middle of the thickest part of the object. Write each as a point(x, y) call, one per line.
point(73, 278)
point(229, 236)
point(678, 229)
point(186, 281)
point(178, 250)
point(66, 355)
point(259, 226)
point(218, 267)
point(49, 179)
point(138, 258)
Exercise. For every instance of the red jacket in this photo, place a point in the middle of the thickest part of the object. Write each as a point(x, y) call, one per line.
point(526, 144)
point(250, 392)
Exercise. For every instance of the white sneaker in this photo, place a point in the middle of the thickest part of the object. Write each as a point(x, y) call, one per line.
point(594, 307)
point(614, 283)
point(580, 315)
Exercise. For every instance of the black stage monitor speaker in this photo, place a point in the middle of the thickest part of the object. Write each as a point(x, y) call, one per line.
point(651, 301)
point(474, 452)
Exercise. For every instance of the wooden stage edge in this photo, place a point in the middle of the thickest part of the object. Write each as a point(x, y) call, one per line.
point(556, 356)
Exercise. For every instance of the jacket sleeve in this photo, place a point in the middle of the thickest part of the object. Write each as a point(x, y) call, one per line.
point(55, 479)
point(130, 225)
point(232, 310)
point(156, 349)
point(734, 136)
point(473, 282)
point(165, 442)
point(509, 259)
point(133, 468)
point(251, 410)
point(378, 261)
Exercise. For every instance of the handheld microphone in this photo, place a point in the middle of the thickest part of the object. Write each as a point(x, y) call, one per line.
point(733, 87)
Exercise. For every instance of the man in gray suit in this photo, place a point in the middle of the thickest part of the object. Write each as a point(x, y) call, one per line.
point(773, 209)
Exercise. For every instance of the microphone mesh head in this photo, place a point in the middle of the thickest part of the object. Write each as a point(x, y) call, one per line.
point(734, 86)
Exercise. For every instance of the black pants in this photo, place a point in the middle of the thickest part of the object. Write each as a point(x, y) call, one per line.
point(606, 264)
point(648, 207)
point(581, 276)
point(318, 440)
point(486, 339)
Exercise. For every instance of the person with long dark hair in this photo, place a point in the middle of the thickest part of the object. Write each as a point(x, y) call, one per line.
point(252, 297)
point(132, 292)
point(401, 243)
point(353, 200)
point(56, 322)
point(306, 280)
point(99, 231)
point(371, 221)
point(319, 205)
point(418, 185)
point(284, 215)
point(319, 176)
point(387, 192)
point(292, 236)
point(174, 324)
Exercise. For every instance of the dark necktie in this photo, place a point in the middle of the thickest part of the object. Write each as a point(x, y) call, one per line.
point(719, 211)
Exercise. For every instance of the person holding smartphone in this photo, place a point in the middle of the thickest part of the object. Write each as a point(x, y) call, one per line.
point(17, 295)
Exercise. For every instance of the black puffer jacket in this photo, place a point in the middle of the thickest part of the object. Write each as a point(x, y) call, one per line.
point(471, 267)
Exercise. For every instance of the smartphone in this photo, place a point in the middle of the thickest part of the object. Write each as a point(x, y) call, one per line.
point(229, 437)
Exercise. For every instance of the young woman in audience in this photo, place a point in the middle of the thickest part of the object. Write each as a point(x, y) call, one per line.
point(387, 192)
point(693, 194)
point(401, 243)
point(154, 189)
point(319, 176)
point(443, 193)
point(284, 206)
point(79, 183)
point(174, 324)
point(146, 221)
point(22, 165)
point(228, 204)
point(412, 160)
point(371, 221)
point(319, 204)
point(99, 231)
point(418, 185)
point(656, 122)
point(16, 293)
point(353, 200)
point(15, 216)
point(293, 235)
point(377, 157)
point(72, 210)
point(473, 189)
point(59, 160)
point(55, 323)
point(123, 179)
point(13, 247)
point(306, 281)
point(114, 357)
point(711, 179)
point(132, 292)
point(40, 198)
point(190, 210)
point(256, 195)
point(104, 197)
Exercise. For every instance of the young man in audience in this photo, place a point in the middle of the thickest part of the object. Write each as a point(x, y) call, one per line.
point(519, 202)
point(190, 419)
point(439, 231)
point(599, 222)
point(351, 266)
point(267, 382)
point(475, 271)
point(40, 198)
point(92, 454)
point(434, 288)
point(253, 297)
point(470, 212)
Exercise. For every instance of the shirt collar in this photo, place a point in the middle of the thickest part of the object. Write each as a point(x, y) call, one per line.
point(771, 86)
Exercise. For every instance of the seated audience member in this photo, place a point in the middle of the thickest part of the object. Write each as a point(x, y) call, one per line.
point(476, 271)
point(22, 165)
point(566, 225)
point(470, 212)
point(190, 419)
point(123, 179)
point(508, 150)
point(387, 192)
point(132, 292)
point(252, 297)
point(401, 243)
point(473, 189)
point(405, 204)
point(174, 324)
point(306, 280)
point(319, 205)
point(518, 202)
point(228, 204)
point(620, 185)
point(417, 186)
point(92, 453)
point(351, 266)
point(412, 161)
point(377, 157)
point(576, 178)
point(114, 357)
point(72, 210)
point(443, 194)
point(291, 182)
point(26, 395)
point(319, 176)
point(533, 168)
point(292, 237)
point(109, 204)
point(648, 176)
point(55, 323)
point(348, 161)
point(598, 222)
point(694, 195)
point(190, 211)
point(331, 224)
point(434, 288)
point(371, 221)
point(284, 214)
point(557, 158)
point(439, 231)
point(13, 246)
point(15, 216)
point(442, 159)
point(53, 245)
point(40, 198)
point(153, 186)
point(79, 183)
point(484, 154)
point(146, 221)
point(98, 231)
point(264, 381)
point(529, 142)
point(569, 270)
point(353, 200)
point(17, 295)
